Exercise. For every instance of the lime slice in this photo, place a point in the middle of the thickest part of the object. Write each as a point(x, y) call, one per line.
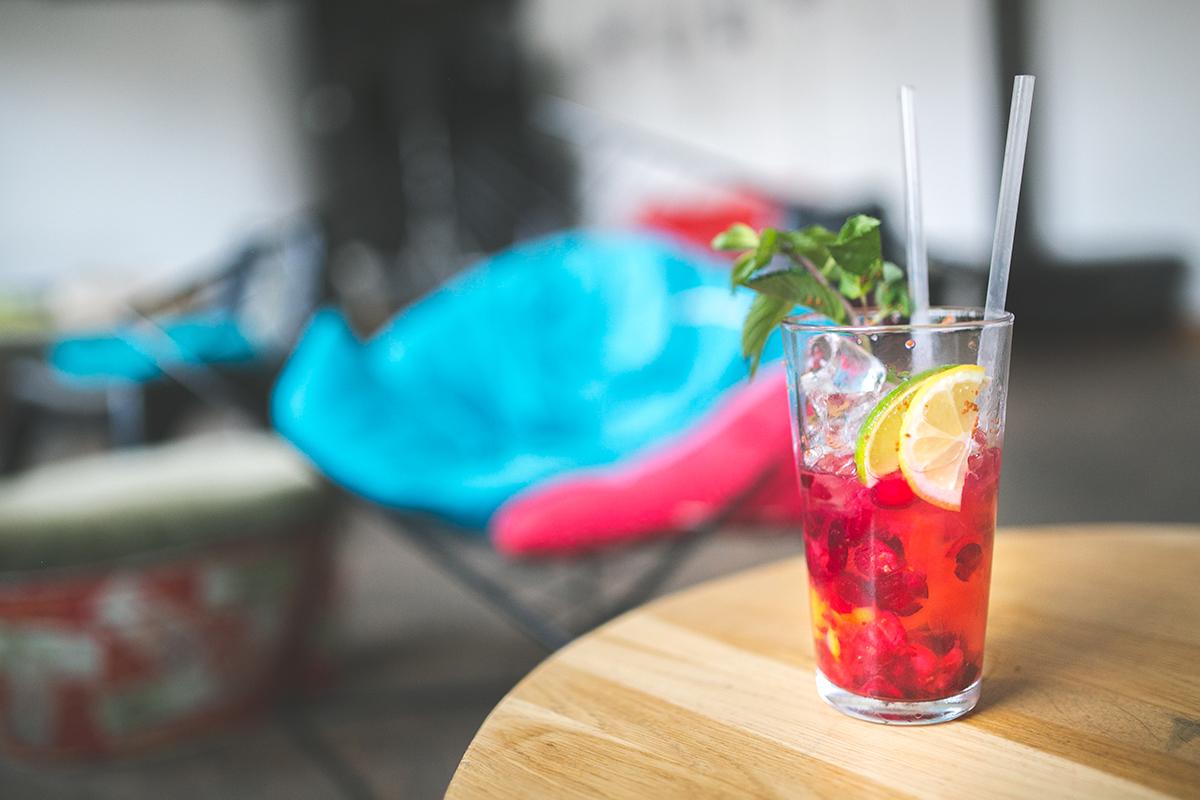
point(935, 434)
point(877, 451)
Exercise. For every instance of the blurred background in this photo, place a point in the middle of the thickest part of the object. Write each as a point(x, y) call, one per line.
point(193, 605)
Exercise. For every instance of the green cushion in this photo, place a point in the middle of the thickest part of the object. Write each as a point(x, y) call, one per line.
point(123, 503)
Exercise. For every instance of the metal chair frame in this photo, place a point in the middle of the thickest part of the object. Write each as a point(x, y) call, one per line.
point(122, 408)
point(449, 548)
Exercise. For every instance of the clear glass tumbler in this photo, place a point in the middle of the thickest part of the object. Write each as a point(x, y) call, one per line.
point(898, 431)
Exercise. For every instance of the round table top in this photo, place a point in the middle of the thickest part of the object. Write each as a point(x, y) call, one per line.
point(1091, 688)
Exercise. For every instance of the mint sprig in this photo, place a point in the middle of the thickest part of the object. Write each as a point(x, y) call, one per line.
point(841, 275)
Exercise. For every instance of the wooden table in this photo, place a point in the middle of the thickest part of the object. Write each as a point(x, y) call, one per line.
point(1091, 689)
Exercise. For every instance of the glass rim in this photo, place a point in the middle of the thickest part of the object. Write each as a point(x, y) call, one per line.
point(1005, 320)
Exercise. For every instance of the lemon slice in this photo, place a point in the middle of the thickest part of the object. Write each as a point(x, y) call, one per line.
point(877, 452)
point(935, 434)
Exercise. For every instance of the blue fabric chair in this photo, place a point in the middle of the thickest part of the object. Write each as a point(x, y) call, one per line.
point(140, 353)
point(571, 351)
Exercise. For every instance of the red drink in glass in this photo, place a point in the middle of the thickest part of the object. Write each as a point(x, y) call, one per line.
point(898, 432)
point(899, 587)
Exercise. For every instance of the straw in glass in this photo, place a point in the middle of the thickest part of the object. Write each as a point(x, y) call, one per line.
point(1010, 193)
point(918, 264)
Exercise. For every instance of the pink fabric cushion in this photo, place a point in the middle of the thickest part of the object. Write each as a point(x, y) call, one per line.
point(671, 487)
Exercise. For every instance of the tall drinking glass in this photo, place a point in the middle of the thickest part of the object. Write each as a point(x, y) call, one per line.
point(898, 431)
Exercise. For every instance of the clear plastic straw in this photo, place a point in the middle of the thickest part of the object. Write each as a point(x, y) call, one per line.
point(1010, 193)
point(918, 263)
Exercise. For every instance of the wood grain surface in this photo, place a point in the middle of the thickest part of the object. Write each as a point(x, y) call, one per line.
point(1091, 689)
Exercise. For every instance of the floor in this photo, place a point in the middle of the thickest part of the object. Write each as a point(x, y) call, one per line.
point(1095, 433)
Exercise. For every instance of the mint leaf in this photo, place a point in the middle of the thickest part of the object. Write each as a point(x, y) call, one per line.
point(849, 286)
point(811, 243)
point(892, 273)
point(835, 274)
point(857, 227)
point(765, 315)
point(738, 236)
point(743, 268)
point(893, 300)
point(800, 289)
point(812, 240)
point(786, 284)
point(891, 295)
point(858, 247)
point(768, 245)
point(819, 234)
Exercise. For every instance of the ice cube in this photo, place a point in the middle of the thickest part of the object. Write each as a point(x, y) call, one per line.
point(840, 385)
point(836, 365)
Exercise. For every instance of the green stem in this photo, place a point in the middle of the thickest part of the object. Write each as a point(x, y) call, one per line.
point(851, 317)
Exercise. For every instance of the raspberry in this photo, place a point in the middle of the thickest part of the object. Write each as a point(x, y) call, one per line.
point(892, 492)
point(967, 561)
point(881, 638)
point(879, 557)
point(921, 662)
point(901, 592)
point(879, 686)
point(874, 647)
point(923, 672)
point(968, 674)
point(858, 524)
point(826, 555)
point(831, 666)
point(941, 643)
point(949, 669)
point(847, 594)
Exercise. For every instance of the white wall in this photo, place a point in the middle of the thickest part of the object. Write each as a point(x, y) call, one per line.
point(139, 138)
point(805, 96)
point(1118, 129)
point(802, 92)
